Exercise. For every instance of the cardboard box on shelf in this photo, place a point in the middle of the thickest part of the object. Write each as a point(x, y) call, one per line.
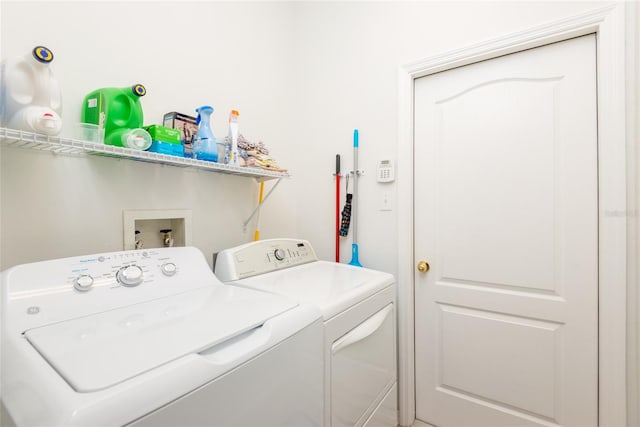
point(186, 125)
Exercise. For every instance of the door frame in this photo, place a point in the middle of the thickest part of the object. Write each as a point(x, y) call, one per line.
point(616, 177)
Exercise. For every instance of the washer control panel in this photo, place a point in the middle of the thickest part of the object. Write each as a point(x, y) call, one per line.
point(262, 257)
point(56, 290)
point(128, 269)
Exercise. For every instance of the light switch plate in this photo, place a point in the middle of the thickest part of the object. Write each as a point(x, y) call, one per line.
point(386, 201)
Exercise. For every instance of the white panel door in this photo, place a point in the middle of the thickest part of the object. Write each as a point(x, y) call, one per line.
point(506, 201)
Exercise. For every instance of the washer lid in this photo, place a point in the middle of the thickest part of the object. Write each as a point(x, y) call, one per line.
point(330, 286)
point(98, 351)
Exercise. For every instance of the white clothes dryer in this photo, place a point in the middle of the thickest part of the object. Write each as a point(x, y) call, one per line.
point(152, 338)
point(358, 309)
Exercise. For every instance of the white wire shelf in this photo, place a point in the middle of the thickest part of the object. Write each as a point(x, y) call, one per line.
point(69, 146)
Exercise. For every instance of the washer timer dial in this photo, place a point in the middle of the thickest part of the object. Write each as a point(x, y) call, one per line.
point(130, 275)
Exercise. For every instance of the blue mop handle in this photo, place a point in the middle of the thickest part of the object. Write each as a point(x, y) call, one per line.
point(354, 245)
point(354, 219)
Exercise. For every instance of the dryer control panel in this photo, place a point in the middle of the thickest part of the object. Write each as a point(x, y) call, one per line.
point(262, 257)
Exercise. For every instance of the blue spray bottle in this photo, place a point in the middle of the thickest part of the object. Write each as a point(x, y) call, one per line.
point(204, 143)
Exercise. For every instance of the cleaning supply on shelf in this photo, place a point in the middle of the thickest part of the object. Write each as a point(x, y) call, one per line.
point(165, 140)
point(30, 96)
point(119, 112)
point(137, 138)
point(231, 146)
point(162, 133)
point(204, 144)
point(186, 125)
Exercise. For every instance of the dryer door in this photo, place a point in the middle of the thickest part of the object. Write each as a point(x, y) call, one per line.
point(363, 368)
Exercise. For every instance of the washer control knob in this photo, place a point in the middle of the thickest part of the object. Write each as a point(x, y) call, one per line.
point(168, 269)
point(83, 283)
point(279, 254)
point(130, 275)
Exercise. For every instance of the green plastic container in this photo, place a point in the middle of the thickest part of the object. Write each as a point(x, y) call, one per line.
point(119, 112)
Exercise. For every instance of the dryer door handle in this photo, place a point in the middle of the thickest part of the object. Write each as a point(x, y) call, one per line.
point(363, 331)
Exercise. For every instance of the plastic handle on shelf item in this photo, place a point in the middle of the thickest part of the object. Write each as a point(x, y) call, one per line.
point(363, 331)
point(206, 109)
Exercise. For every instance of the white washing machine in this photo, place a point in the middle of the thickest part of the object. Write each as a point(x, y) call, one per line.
point(152, 338)
point(358, 308)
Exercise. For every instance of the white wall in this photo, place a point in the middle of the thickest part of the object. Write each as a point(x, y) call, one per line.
point(349, 54)
point(302, 74)
point(229, 55)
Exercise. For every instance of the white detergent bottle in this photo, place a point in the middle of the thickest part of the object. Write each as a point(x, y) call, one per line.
point(30, 97)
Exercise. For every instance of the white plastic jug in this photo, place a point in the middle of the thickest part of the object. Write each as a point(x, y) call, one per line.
point(30, 97)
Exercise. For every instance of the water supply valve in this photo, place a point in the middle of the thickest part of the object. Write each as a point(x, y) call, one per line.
point(167, 238)
point(139, 243)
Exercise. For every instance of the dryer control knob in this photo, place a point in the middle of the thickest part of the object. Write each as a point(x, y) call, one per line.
point(168, 269)
point(279, 254)
point(130, 275)
point(83, 283)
